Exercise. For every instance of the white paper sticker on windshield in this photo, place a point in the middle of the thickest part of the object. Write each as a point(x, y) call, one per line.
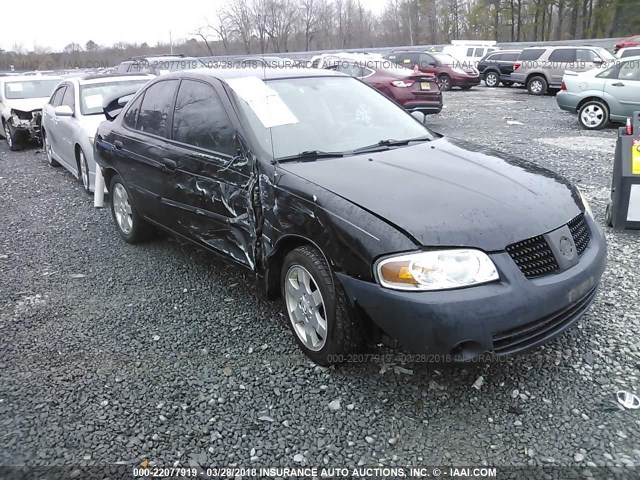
point(93, 101)
point(264, 101)
point(15, 87)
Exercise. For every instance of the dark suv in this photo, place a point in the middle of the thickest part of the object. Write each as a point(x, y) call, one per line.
point(449, 71)
point(496, 67)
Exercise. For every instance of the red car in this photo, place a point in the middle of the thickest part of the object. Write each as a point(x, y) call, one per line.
point(627, 42)
point(414, 91)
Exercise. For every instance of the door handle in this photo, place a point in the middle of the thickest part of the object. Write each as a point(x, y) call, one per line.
point(118, 144)
point(169, 165)
point(617, 84)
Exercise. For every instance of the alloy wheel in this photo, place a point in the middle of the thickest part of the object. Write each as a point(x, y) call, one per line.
point(491, 79)
point(84, 171)
point(592, 116)
point(306, 308)
point(122, 209)
point(536, 86)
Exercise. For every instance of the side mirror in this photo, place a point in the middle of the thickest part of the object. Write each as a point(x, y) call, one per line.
point(421, 117)
point(598, 61)
point(63, 111)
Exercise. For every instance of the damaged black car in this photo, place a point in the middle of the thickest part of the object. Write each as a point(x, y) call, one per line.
point(370, 227)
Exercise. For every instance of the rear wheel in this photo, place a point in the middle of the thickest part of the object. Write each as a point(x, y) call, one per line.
point(445, 82)
point(14, 139)
point(324, 327)
point(593, 115)
point(130, 225)
point(537, 85)
point(491, 79)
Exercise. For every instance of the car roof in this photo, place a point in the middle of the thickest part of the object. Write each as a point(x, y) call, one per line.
point(21, 78)
point(224, 74)
point(89, 79)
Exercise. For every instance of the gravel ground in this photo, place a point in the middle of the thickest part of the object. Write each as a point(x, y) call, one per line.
point(117, 353)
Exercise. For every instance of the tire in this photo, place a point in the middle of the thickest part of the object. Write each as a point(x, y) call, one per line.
point(83, 171)
point(491, 79)
point(14, 140)
point(323, 326)
point(593, 115)
point(48, 151)
point(608, 215)
point(129, 223)
point(537, 85)
point(444, 81)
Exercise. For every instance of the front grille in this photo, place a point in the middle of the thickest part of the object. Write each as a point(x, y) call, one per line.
point(521, 338)
point(580, 232)
point(533, 257)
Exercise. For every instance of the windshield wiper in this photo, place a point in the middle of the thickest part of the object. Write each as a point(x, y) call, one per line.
point(309, 155)
point(384, 144)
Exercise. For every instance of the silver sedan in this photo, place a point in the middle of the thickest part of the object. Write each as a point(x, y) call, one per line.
point(602, 95)
point(71, 117)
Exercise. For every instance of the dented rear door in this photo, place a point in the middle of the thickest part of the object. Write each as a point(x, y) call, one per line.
point(209, 194)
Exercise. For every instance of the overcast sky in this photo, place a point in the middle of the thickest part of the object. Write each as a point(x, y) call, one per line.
point(56, 24)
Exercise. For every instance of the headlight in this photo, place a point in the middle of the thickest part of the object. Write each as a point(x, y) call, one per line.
point(92, 140)
point(460, 71)
point(585, 203)
point(436, 270)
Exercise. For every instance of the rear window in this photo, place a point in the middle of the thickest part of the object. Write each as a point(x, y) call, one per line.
point(531, 54)
point(631, 53)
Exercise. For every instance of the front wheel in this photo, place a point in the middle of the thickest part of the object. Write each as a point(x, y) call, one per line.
point(491, 79)
point(324, 327)
point(445, 82)
point(593, 115)
point(84, 171)
point(49, 151)
point(129, 223)
point(14, 140)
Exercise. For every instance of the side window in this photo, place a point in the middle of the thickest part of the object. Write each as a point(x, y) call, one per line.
point(68, 98)
point(425, 60)
point(495, 57)
point(563, 55)
point(630, 71)
point(56, 98)
point(469, 52)
point(479, 52)
point(349, 69)
point(509, 57)
point(408, 59)
point(199, 119)
point(131, 115)
point(156, 107)
point(584, 55)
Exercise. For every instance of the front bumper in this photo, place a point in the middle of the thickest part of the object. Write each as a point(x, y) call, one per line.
point(465, 81)
point(506, 317)
point(568, 101)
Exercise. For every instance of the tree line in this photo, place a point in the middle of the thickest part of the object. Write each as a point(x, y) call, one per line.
point(243, 27)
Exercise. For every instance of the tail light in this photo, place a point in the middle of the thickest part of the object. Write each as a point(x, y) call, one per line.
point(628, 128)
point(402, 83)
point(516, 66)
point(563, 86)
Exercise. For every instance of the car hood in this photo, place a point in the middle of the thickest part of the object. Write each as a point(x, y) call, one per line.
point(26, 104)
point(450, 193)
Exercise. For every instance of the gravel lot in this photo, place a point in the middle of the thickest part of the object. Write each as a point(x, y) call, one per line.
point(117, 353)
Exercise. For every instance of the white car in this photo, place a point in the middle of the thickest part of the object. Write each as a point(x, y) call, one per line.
point(21, 100)
point(470, 52)
point(628, 52)
point(71, 117)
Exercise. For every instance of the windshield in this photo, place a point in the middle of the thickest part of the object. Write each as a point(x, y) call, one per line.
point(446, 59)
point(30, 89)
point(92, 95)
point(331, 114)
point(605, 54)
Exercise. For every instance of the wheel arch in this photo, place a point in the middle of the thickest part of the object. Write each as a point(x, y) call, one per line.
point(582, 102)
point(536, 74)
point(275, 259)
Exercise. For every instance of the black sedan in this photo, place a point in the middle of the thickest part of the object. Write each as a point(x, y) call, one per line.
point(369, 226)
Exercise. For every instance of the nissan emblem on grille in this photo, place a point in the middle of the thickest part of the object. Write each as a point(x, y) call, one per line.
point(567, 248)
